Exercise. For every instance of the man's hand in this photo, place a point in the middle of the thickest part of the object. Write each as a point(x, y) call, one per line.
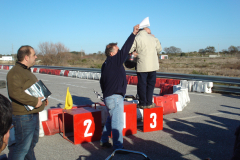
point(135, 29)
point(46, 102)
point(135, 54)
point(39, 102)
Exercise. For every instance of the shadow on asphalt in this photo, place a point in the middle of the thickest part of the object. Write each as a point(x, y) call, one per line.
point(81, 100)
point(214, 139)
point(230, 95)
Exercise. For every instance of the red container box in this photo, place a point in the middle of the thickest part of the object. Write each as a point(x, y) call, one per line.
point(153, 119)
point(82, 125)
point(167, 102)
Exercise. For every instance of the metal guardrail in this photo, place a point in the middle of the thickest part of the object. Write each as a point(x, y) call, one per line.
point(193, 77)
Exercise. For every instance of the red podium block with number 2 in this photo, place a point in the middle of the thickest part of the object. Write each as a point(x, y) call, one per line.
point(153, 119)
point(82, 125)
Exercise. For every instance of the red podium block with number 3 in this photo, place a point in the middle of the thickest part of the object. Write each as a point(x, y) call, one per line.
point(82, 125)
point(152, 119)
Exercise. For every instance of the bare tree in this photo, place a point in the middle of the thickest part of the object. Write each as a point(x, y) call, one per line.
point(52, 53)
point(232, 50)
point(172, 49)
point(202, 51)
point(210, 49)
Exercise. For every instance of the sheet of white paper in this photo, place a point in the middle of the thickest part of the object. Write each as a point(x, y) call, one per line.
point(144, 23)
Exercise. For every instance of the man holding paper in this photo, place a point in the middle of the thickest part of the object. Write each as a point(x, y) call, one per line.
point(26, 123)
point(147, 48)
point(113, 84)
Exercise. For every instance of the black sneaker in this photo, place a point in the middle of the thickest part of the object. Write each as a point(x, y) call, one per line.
point(106, 144)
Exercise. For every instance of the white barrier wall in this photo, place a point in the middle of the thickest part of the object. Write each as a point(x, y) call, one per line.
point(197, 86)
point(43, 116)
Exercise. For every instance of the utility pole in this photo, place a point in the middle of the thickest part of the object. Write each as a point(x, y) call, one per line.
point(12, 49)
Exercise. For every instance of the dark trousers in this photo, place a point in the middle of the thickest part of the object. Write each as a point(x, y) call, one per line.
point(26, 137)
point(145, 87)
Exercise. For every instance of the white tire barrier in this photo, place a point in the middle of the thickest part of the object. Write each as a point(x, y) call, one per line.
point(183, 96)
point(62, 72)
point(79, 74)
point(190, 86)
point(195, 86)
point(207, 87)
point(91, 75)
point(85, 75)
point(72, 74)
point(43, 116)
point(184, 83)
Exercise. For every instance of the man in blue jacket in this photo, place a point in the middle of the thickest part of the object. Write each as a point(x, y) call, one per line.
point(113, 84)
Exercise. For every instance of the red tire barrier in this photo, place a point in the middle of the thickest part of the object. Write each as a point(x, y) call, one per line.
point(35, 70)
point(66, 73)
point(48, 71)
point(166, 89)
point(57, 72)
point(42, 70)
point(128, 79)
point(134, 80)
point(173, 81)
point(159, 81)
point(5, 67)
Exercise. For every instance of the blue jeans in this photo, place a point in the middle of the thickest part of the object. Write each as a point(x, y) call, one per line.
point(26, 136)
point(145, 87)
point(115, 121)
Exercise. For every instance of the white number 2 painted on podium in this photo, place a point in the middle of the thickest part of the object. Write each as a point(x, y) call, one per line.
point(154, 124)
point(87, 122)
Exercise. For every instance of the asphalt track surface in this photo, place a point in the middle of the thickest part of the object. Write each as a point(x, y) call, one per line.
point(205, 128)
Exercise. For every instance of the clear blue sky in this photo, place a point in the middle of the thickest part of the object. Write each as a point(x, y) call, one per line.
point(92, 24)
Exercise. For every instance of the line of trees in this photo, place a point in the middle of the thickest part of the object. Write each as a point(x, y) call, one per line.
point(59, 54)
point(52, 53)
point(172, 50)
point(209, 49)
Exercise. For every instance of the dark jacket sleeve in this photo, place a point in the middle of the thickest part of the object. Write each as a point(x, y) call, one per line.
point(16, 91)
point(123, 53)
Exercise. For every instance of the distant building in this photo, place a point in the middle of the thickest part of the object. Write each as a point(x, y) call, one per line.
point(163, 56)
point(6, 58)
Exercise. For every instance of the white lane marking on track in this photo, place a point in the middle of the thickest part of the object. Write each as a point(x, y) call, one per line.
point(185, 118)
point(75, 86)
point(201, 94)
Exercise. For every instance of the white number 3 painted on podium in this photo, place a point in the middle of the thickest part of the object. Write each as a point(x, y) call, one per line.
point(87, 122)
point(154, 116)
